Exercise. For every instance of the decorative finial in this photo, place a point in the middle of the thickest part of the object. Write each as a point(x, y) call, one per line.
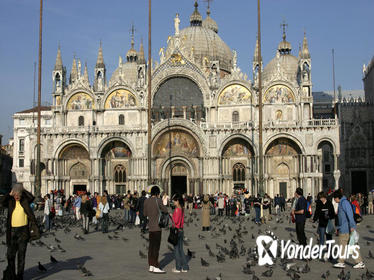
point(208, 9)
point(132, 32)
point(284, 25)
point(196, 4)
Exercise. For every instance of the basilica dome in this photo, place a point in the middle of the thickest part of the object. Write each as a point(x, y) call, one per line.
point(202, 40)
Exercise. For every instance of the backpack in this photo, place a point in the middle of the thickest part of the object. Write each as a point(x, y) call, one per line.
point(356, 214)
point(309, 211)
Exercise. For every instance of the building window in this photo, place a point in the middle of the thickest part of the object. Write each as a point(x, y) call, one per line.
point(119, 174)
point(121, 120)
point(21, 145)
point(81, 121)
point(235, 117)
point(327, 168)
point(21, 121)
point(47, 121)
point(238, 172)
point(21, 162)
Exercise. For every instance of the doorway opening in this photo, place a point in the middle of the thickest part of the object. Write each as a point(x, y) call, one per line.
point(283, 189)
point(178, 185)
point(358, 182)
point(80, 189)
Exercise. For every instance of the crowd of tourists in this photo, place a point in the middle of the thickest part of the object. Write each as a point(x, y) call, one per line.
point(334, 212)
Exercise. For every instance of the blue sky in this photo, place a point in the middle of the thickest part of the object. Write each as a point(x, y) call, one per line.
point(79, 26)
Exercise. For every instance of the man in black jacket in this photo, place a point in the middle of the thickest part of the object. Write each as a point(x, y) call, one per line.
point(21, 225)
point(140, 211)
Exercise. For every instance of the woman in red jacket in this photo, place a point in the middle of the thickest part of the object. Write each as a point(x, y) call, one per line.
point(178, 222)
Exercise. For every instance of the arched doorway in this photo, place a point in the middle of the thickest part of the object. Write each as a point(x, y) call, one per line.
point(115, 166)
point(74, 166)
point(237, 166)
point(282, 167)
point(176, 154)
point(327, 151)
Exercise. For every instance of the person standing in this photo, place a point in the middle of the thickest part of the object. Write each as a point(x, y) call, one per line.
point(77, 206)
point(47, 213)
point(265, 206)
point(126, 206)
point(300, 216)
point(86, 210)
point(140, 213)
point(247, 204)
point(94, 207)
point(370, 202)
point(205, 219)
point(133, 210)
point(346, 225)
point(325, 214)
point(20, 227)
point(190, 203)
point(152, 208)
point(257, 206)
point(221, 205)
point(104, 210)
point(178, 222)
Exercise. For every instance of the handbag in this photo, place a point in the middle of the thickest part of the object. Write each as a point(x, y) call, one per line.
point(163, 218)
point(34, 231)
point(173, 236)
point(137, 220)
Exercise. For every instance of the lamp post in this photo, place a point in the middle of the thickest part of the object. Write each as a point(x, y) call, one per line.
point(149, 127)
point(260, 144)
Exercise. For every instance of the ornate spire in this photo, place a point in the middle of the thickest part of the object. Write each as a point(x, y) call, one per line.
point(100, 59)
point(85, 74)
point(196, 19)
point(141, 57)
point(58, 65)
point(305, 52)
point(74, 71)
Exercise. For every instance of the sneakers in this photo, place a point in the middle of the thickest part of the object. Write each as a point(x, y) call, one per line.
point(157, 270)
point(359, 265)
point(184, 271)
point(151, 268)
point(339, 265)
point(175, 270)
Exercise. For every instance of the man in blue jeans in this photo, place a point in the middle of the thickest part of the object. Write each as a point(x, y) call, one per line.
point(257, 206)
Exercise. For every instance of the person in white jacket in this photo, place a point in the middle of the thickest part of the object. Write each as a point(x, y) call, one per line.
point(47, 212)
point(104, 213)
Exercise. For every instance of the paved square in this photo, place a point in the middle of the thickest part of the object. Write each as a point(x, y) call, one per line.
point(116, 255)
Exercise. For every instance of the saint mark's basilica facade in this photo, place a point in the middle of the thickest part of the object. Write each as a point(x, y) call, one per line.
point(205, 122)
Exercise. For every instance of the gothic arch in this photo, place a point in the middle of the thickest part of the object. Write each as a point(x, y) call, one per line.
point(329, 141)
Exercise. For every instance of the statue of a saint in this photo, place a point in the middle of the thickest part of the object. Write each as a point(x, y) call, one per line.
point(177, 21)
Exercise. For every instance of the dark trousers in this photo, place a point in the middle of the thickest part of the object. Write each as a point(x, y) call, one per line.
point(132, 216)
point(180, 257)
point(300, 232)
point(143, 222)
point(154, 248)
point(220, 211)
point(105, 222)
point(18, 245)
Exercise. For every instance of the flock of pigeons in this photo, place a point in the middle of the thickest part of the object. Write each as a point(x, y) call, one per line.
point(230, 238)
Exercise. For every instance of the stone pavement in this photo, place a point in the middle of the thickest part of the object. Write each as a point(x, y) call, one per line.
point(119, 259)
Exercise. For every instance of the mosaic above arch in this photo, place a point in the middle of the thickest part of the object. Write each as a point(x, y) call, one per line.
point(279, 94)
point(80, 101)
point(234, 95)
point(237, 148)
point(283, 147)
point(116, 150)
point(179, 141)
point(120, 98)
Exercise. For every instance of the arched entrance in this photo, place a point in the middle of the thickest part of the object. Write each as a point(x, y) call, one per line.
point(115, 164)
point(176, 155)
point(282, 167)
point(237, 166)
point(74, 166)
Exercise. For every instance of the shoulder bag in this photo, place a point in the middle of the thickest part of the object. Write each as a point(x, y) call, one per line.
point(163, 218)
